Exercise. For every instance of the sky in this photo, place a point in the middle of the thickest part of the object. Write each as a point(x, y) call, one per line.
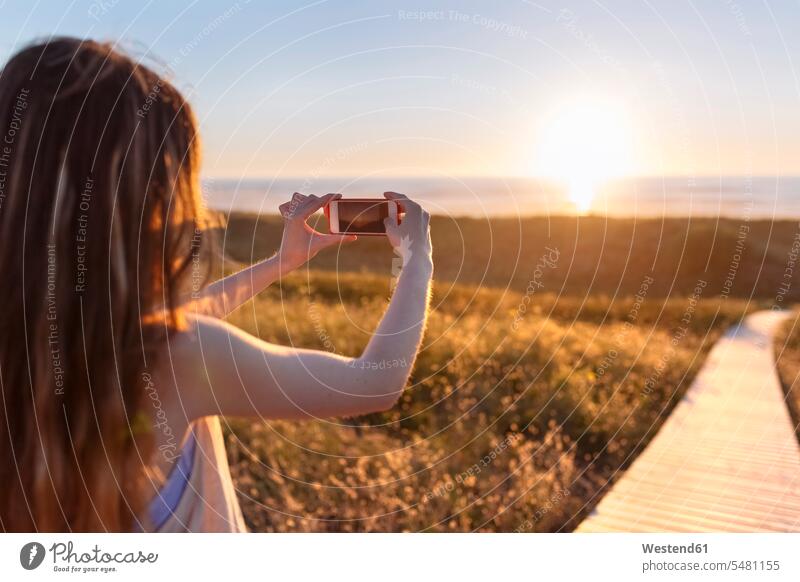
point(472, 88)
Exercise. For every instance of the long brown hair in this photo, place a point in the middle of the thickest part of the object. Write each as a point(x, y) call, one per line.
point(99, 201)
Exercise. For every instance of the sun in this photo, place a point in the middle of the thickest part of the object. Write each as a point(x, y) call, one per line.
point(583, 144)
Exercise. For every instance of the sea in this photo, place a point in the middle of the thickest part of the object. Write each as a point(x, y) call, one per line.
point(750, 197)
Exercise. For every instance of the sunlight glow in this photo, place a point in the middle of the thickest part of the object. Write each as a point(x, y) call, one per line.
point(582, 145)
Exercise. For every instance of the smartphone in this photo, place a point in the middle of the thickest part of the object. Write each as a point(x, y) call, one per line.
point(362, 216)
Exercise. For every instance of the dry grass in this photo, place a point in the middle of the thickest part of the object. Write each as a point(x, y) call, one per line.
point(598, 255)
point(504, 427)
point(787, 353)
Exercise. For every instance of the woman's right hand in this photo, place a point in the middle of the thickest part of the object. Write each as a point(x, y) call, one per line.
point(411, 238)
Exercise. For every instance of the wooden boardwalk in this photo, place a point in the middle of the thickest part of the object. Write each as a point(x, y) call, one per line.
point(726, 460)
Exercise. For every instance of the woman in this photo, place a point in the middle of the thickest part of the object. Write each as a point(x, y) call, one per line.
point(111, 372)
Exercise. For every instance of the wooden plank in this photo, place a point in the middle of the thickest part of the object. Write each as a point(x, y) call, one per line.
point(727, 459)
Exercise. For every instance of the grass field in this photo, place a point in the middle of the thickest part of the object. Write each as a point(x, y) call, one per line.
point(598, 256)
point(787, 353)
point(533, 390)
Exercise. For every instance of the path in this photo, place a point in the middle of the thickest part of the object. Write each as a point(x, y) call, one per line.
point(726, 460)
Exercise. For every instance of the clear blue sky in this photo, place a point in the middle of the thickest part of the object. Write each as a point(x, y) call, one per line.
point(343, 87)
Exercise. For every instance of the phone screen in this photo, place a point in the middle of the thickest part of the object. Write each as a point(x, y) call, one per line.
point(362, 216)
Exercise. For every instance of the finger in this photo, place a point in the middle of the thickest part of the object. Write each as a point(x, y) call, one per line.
point(404, 202)
point(329, 240)
point(314, 203)
point(392, 228)
point(289, 209)
point(301, 205)
point(410, 208)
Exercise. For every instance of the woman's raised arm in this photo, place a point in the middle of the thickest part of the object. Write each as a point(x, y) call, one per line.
point(299, 244)
point(231, 372)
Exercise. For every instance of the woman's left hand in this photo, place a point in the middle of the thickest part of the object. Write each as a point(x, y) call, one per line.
point(300, 242)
